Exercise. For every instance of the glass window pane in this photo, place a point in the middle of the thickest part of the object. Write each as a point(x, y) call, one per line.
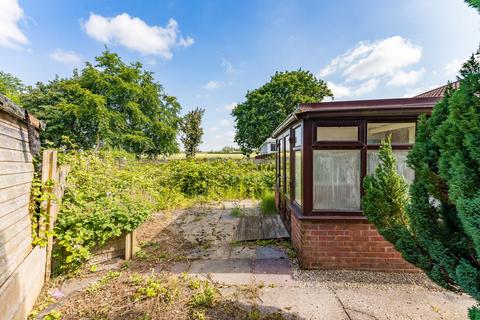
point(402, 133)
point(298, 176)
point(337, 133)
point(287, 166)
point(298, 136)
point(280, 164)
point(402, 168)
point(336, 179)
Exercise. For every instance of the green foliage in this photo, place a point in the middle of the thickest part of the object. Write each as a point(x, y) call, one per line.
point(439, 231)
point(40, 193)
point(386, 195)
point(111, 193)
point(266, 107)
point(474, 4)
point(221, 179)
point(53, 315)
point(107, 104)
point(237, 211)
point(155, 289)
point(192, 131)
point(267, 203)
point(205, 297)
point(11, 86)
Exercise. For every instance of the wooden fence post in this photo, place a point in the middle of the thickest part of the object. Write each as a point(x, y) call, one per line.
point(51, 172)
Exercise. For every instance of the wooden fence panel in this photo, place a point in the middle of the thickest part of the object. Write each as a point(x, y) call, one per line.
point(21, 266)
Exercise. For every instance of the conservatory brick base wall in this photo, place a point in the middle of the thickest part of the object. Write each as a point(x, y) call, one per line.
point(344, 244)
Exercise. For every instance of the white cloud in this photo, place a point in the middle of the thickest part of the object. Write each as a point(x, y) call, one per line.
point(66, 57)
point(228, 67)
point(211, 85)
point(225, 122)
point(339, 91)
point(213, 129)
point(10, 34)
point(452, 67)
point(342, 91)
point(366, 87)
point(346, 59)
point(230, 106)
point(374, 59)
point(412, 92)
point(135, 34)
point(403, 78)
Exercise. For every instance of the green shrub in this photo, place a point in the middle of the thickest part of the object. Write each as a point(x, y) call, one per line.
point(438, 230)
point(112, 192)
point(267, 203)
point(386, 195)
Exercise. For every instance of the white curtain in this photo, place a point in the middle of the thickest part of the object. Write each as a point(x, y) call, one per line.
point(402, 168)
point(336, 179)
point(298, 176)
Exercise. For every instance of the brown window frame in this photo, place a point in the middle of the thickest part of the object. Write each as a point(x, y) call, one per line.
point(360, 144)
point(293, 164)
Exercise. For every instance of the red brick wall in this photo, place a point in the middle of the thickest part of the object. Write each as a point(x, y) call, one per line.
point(343, 244)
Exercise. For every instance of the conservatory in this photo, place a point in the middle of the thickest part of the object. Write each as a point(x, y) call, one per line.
point(324, 152)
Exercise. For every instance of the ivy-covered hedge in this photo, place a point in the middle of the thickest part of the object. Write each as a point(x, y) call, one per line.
point(112, 192)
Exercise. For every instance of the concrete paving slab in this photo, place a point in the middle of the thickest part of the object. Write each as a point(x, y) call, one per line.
point(231, 271)
point(398, 304)
point(272, 266)
point(269, 253)
point(305, 303)
point(277, 272)
point(242, 252)
point(179, 267)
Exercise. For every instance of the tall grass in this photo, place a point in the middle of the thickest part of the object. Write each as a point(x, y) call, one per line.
point(267, 203)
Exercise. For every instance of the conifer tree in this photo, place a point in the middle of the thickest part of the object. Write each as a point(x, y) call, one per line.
point(439, 229)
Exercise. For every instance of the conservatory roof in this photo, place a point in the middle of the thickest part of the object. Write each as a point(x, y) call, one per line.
point(422, 103)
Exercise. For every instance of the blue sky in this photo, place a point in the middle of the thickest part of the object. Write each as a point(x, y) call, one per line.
point(209, 53)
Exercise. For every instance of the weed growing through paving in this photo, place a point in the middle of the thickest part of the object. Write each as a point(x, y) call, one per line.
point(267, 203)
point(285, 245)
point(205, 296)
point(237, 211)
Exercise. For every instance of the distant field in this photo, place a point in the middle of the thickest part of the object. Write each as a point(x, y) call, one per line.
point(204, 155)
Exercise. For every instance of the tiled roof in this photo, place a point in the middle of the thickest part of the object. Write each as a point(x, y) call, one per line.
point(438, 92)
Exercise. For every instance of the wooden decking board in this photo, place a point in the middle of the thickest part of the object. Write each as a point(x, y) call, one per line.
point(261, 228)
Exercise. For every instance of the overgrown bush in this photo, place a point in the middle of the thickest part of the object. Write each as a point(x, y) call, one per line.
point(112, 192)
point(439, 229)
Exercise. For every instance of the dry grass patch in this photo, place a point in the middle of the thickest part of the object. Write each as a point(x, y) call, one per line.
point(127, 295)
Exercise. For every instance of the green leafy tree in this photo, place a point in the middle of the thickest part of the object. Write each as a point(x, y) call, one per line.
point(474, 4)
point(11, 86)
point(439, 229)
point(266, 107)
point(192, 131)
point(107, 104)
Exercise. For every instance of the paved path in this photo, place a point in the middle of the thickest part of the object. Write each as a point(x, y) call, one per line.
point(326, 295)
point(202, 242)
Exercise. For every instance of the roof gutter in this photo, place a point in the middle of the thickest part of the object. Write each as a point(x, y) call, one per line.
point(290, 119)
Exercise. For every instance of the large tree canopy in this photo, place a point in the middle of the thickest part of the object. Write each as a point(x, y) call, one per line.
point(11, 86)
point(107, 104)
point(266, 107)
